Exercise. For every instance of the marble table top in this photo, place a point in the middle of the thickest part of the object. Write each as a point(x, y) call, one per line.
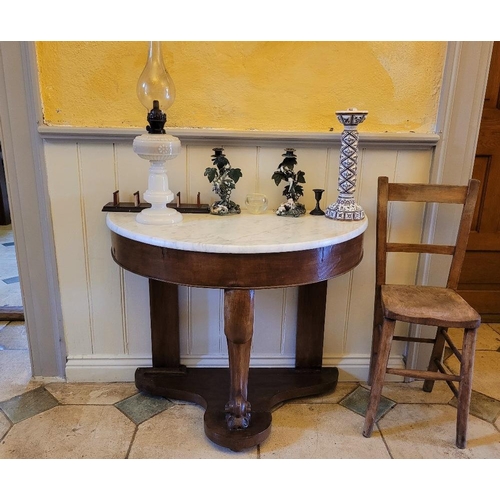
point(243, 233)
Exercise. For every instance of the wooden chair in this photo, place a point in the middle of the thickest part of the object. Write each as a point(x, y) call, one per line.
point(424, 305)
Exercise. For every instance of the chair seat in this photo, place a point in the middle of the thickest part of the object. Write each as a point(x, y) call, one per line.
point(427, 305)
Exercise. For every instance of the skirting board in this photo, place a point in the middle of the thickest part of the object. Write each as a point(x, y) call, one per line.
point(95, 368)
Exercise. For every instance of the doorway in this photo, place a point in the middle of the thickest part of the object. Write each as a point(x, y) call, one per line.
point(11, 305)
point(480, 278)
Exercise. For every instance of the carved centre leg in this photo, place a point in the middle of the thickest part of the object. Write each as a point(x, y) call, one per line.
point(238, 328)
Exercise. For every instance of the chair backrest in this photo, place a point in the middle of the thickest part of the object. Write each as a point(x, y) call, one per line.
point(431, 193)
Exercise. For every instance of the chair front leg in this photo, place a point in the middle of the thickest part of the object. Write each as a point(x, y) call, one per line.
point(379, 375)
point(465, 386)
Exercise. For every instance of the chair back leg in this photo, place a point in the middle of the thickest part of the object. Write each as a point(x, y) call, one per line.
point(378, 318)
point(437, 354)
point(374, 352)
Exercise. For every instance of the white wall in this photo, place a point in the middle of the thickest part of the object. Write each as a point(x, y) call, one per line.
point(105, 309)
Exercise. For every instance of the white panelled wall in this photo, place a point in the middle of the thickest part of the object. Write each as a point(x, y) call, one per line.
point(106, 309)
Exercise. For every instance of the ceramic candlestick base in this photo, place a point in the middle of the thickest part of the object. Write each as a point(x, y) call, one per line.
point(157, 148)
point(345, 208)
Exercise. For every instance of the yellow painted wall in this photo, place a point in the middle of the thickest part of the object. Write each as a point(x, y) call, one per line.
point(292, 86)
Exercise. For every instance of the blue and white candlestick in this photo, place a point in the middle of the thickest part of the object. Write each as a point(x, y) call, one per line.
point(345, 208)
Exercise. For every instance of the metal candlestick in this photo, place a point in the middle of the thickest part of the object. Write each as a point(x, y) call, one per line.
point(345, 208)
point(317, 196)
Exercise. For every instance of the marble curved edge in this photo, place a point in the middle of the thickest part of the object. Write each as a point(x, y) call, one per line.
point(239, 234)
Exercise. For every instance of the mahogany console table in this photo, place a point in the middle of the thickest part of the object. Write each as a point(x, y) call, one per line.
point(239, 253)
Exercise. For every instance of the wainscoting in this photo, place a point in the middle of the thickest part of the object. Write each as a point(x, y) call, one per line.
point(106, 309)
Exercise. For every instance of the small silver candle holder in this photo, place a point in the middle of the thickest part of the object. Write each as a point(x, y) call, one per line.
point(345, 208)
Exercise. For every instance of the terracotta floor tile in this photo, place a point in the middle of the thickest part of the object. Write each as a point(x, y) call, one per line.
point(488, 339)
point(340, 392)
point(15, 374)
point(178, 433)
point(13, 336)
point(428, 431)
point(70, 432)
point(324, 431)
point(402, 392)
point(486, 379)
point(495, 326)
point(91, 393)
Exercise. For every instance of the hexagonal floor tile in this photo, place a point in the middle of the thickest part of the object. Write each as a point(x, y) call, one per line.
point(428, 431)
point(178, 433)
point(324, 431)
point(91, 393)
point(70, 432)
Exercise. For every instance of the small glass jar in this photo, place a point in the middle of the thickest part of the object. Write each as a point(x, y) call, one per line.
point(256, 203)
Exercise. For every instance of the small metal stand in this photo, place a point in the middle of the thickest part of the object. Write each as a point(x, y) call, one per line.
point(136, 206)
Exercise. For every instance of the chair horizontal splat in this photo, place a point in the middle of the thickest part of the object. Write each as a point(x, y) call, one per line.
point(430, 193)
point(420, 248)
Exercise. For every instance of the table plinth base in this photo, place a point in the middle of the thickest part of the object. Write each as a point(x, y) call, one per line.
point(209, 387)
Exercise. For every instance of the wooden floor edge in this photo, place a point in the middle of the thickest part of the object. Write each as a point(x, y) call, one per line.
point(11, 314)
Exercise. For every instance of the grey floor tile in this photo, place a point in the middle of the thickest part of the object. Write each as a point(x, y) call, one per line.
point(482, 407)
point(12, 279)
point(141, 407)
point(357, 402)
point(5, 425)
point(28, 404)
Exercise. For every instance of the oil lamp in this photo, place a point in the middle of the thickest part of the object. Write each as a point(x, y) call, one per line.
point(156, 92)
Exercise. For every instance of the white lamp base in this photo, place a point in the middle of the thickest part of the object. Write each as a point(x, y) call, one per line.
point(157, 148)
point(158, 216)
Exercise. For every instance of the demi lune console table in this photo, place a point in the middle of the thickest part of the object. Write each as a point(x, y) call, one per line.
point(239, 254)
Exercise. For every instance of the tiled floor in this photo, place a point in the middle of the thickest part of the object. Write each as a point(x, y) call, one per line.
point(60, 420)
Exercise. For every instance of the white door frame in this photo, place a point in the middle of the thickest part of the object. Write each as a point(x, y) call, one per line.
point(461, 102)
point(20, 115)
